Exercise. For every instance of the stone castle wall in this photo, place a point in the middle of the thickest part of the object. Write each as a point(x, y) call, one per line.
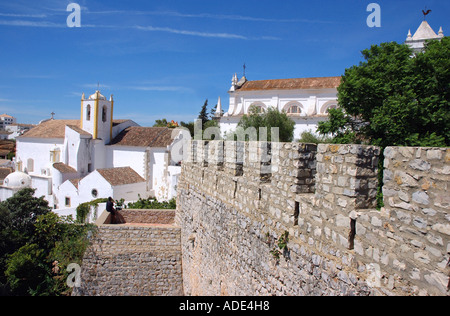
point(236, 200)
point(139, 258)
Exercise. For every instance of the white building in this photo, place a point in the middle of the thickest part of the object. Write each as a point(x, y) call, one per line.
point(305, 100)
point(6, 120)
point(117, 183)
point(16, 130)
point(423, 34)
point(74, 161)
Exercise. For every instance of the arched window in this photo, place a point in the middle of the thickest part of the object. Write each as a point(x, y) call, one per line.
point(327, 106)
point(294, 110)
point(104, 113)
point(88, 112)
point(257, 107)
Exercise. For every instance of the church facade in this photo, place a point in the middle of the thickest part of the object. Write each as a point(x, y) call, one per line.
point(74, 161)
point(305, 100)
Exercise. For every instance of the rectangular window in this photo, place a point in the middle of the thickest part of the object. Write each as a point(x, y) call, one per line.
point(67, 201)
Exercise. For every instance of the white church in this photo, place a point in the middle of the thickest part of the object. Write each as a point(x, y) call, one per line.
point(305, 100)
point(75, 161)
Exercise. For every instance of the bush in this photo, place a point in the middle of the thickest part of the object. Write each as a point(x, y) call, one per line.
point(310, 138)
point(153, 204)
point(255, 120)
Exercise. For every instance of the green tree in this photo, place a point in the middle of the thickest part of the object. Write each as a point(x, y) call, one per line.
point(161, 123)
point(394, 99)
point(272, 118)
point(36, 245)
point(22, 210)
point(189, 126)
point(203, 116)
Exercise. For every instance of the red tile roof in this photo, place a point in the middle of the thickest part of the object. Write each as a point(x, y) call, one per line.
point(144, 137)
point(50, 129)
point(63, 168)
point(120, 176)
point(292, 84)
point(57, 129)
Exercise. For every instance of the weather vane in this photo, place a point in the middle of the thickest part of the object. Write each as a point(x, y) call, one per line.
point(425, 13)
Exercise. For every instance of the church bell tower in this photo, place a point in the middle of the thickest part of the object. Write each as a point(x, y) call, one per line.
point(97, 116)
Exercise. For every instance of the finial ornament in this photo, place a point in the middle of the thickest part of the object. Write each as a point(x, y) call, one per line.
point(425, 13)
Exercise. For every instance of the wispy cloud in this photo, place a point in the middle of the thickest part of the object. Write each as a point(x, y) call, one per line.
point(46, 24)
point(25, 23)
point(23, 15)
point(27, 20)
point(196, 15)
point(191, 33)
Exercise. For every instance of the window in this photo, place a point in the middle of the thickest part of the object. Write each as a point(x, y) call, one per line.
point(67, 201)
point(88, 112)
point(294, 110)
point(94, 193)
point(30, 165)
point(257, 108)
point(327, 106)
point(104, 112)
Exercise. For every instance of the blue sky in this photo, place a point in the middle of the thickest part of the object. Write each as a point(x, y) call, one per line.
point(162, 59)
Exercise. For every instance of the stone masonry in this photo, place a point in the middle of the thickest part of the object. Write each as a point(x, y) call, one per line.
point(139, 258)
point(236, 201)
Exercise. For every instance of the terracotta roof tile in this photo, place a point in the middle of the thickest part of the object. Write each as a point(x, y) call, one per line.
point(120, 176)
point(63, 168)
point(292, 84)
point(50, 129)
point(75, 182)
point(79, 130)
point(57, 129)
point(144, 137)
point(4, 172)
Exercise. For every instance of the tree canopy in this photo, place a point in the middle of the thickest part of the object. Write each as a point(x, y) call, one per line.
point(271, 118)
point(36, 246)
point(394, 98)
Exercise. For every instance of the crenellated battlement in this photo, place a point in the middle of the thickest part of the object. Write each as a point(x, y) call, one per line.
point(236, 198)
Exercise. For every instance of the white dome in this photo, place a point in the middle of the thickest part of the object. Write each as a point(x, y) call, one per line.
point(97, 95)
point(17, 180)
